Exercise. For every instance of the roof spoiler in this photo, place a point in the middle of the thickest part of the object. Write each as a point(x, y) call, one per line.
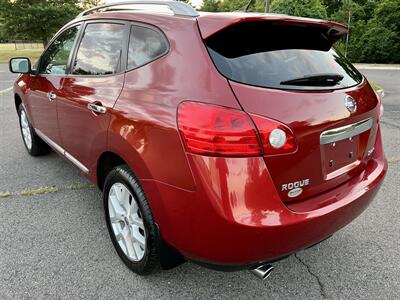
point(210, 24)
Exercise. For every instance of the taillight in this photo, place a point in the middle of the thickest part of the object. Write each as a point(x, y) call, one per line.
point(276, 137)
point(217, 131)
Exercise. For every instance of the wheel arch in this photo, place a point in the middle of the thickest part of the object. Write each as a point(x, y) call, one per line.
point(106, 162)
point(169, 257)
point(17, 101)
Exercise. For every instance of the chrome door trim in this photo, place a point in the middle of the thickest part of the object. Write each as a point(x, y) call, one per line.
point(345, 132)
point(97, 108)
point(76, 162)
point(62, 151)
point(49, 141)
point(51, 96)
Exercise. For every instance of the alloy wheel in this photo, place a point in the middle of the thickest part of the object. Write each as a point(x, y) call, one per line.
point(26, 130)
point(127, 222)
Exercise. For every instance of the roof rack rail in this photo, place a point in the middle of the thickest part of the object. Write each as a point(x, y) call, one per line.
point(177, 7)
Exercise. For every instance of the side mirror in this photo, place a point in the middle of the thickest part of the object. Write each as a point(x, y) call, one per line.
point(20, 65)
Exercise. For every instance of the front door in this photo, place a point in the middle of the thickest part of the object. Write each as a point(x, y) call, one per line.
point(47, 83)
point(90, 91)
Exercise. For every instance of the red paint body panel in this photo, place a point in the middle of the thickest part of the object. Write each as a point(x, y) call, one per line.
point(308, 114)
point(43, 112)
point(145, 114)
point(236, 216)
point(84, 133)
point(227, 211)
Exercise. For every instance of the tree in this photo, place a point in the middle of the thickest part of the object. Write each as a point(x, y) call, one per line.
point(36, 19)
point(387, 13)
point(86, 4)
point(2, 33)
point(348, 7)
point(381, 39)
point(302, 8)
point(211, 5)
point(381, 45)
point(332, 6)
point(236, 5)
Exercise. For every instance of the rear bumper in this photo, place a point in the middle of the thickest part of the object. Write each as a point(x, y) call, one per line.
point(236, 218)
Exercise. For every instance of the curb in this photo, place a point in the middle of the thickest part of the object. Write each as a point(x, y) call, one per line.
point(377, 67)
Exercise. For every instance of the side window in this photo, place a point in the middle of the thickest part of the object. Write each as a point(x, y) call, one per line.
point(55, 59)
point(100, 50)
point(145, 45)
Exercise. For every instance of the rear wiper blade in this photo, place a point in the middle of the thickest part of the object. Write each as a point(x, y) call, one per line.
point(315, 80)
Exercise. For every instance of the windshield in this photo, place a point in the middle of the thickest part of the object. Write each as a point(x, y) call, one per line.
point(277, 56)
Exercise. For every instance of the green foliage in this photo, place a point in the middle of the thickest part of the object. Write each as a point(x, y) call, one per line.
point(374, 27)
point(235, 5)
point(381, 45)
point(387, 13)
point(351, 8)
point(3, 34)
point(374, 36)
point(36, 19)
point(211, 5)
point(301, 8)
point(86, 4)
point(332, 6)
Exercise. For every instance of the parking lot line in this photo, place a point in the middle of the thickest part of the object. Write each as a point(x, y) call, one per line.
point(6, 90)
point(45, 190)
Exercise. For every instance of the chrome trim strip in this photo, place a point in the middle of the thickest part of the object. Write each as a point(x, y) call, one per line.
point(76, 162)
point(62, 151)
point(50, 142)
point(345, 132)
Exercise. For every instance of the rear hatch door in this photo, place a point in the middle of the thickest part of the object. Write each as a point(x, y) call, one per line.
point(288, 71)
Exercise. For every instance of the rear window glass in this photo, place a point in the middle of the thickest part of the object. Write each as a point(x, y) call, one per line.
point(280, 56)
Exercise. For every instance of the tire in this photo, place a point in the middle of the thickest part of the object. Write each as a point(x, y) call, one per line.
point(33, 143)
point(130, 221)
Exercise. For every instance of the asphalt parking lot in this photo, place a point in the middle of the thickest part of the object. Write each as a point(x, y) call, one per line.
point(56, 245)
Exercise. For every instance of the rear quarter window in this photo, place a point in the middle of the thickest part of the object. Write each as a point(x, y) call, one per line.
point(145, 45)
point(268, 55)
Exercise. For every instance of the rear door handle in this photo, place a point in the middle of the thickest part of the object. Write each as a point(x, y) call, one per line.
point(99, 109)
point(51, 96)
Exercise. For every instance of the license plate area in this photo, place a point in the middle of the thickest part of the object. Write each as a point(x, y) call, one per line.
point(342, 148)
point(340, 157)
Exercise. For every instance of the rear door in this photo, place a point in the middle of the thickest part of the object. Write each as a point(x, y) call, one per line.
point(46, 84)
point(291, 73)
point(90, 91)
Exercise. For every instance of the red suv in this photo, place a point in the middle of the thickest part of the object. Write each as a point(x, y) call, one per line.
point(229, 139)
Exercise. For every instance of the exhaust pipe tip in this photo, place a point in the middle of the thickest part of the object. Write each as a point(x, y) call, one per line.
point(262, 272)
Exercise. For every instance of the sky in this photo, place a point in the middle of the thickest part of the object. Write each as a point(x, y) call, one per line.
point(196, 3)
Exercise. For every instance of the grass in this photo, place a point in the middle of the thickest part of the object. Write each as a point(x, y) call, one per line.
point(375, 86)
point(8, 51)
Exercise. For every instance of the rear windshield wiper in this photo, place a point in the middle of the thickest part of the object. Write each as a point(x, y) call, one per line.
point(329, 79)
